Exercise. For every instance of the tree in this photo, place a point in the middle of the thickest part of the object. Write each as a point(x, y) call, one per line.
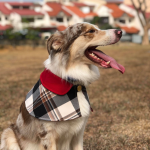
point(33, 35)
point(13, 37)
point(99, 22)
point(145, 22)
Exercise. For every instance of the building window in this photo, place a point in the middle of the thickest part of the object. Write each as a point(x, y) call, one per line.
point(122, 21)
point(6, 18)
point(59, 19)
point(16, 7)
point(25, 7)
point(104, 20)
point(39, 18)
point(130, 20)
point(52, 18)
point(116, 19)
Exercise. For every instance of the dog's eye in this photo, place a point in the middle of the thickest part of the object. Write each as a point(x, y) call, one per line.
point(91, 31)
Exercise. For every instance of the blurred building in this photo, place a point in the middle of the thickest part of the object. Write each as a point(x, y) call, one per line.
point(51, 14)
point(21, 15)
point(55, 15)
point(112, 14)
point(66, 14)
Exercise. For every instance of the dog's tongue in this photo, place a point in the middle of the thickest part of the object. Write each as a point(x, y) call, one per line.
point(113, 62)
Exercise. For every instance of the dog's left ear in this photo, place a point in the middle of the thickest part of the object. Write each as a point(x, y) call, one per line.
point(55, 43)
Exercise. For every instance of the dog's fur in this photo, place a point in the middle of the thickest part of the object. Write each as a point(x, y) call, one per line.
point(68, 61)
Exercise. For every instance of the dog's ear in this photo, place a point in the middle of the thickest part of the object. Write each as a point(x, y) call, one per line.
point(55, 43)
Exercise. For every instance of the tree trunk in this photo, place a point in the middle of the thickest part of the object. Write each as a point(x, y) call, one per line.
point(145, 40)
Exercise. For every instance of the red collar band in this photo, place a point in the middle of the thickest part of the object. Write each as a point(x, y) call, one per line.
point(54, 83)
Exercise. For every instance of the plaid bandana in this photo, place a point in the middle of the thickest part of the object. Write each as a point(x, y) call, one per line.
point(43, 104)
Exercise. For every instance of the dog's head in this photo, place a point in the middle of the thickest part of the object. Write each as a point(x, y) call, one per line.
point(73, 53)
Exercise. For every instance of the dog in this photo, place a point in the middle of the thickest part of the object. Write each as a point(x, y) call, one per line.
point(74, 58)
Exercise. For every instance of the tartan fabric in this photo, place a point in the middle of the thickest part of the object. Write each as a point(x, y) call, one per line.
point(46, 105)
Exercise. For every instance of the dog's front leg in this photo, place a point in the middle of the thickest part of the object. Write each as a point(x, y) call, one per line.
point(48, 140)
point(77, 141)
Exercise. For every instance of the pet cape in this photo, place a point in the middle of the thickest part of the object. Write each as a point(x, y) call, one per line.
point(54, 99)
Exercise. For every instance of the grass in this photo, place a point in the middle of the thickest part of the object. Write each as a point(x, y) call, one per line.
point(121, 103)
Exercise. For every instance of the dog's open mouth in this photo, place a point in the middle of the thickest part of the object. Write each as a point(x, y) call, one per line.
point(102, 59)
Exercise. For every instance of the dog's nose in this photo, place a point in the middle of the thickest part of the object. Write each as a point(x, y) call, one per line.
point(118, 33)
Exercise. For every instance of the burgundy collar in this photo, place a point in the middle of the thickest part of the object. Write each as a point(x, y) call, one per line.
point(54, 83)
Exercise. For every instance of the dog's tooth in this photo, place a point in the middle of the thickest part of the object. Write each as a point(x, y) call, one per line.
point(108, 62)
